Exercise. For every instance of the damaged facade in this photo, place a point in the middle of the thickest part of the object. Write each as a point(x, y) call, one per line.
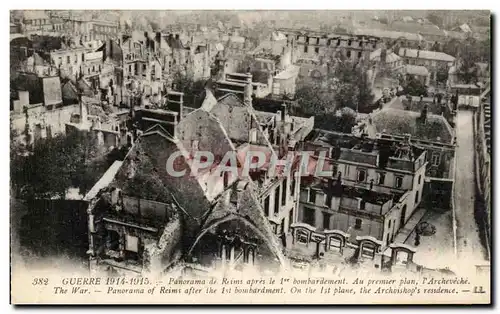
point(226, 219)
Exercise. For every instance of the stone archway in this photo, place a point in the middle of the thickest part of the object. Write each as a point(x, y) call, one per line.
point(276, 251)
point(397, 249)
point(336, 235)
point(302, 232)
point(368, 247)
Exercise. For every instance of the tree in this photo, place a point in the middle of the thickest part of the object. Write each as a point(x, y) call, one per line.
point(353, 90)
point(346, 95)
point(414, 87)
point(435, 19)
point(191, 88)
point(442, 75)
point(54, 165)
point(469, 55)
point(436, 47)
point(313, 99)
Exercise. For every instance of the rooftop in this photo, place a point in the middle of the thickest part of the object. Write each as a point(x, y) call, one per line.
point(344, 145)
point(401, 122)
point(415, 105)
point(416, 70)
point(385, 33)
point(425, 54)
point(390, 57)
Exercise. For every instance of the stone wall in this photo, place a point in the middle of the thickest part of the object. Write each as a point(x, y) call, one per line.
point(483, 171)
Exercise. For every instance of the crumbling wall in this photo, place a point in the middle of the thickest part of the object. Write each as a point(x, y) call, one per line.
point(161, 254)
point(205, 128)
point(235, 118)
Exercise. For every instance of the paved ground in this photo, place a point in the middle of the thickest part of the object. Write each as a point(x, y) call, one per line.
point(435, 251)
point(469, 246)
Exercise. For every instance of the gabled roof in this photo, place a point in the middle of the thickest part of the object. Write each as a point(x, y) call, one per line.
point(69, 93)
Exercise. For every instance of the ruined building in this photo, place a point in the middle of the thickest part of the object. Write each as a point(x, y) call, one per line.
point(142, 218)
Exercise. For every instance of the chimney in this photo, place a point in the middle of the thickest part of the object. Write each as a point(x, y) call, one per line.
point(329, 194)
point(83, 110)
point(423, 114)
point(226, 178)
point(253, 136)
point(284, 111)
point(383, 55)
point(248, 90)
point(158, 38)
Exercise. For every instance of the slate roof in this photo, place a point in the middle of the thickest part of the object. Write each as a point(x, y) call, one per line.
point(400, 122)
point(425, 54)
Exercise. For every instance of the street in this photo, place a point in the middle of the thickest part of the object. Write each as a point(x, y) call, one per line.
point(469, 246)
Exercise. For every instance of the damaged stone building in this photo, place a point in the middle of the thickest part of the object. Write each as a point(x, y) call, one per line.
point(376, 186)
point(212, 217)
point(430, 125)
